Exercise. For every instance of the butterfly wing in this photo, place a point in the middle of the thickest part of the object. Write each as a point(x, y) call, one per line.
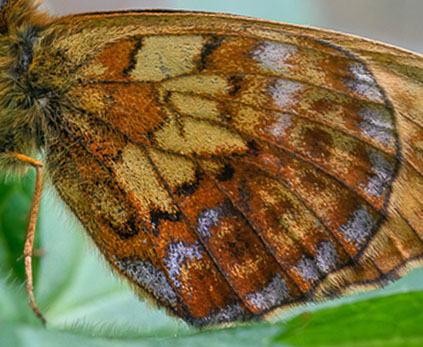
point(228, 166)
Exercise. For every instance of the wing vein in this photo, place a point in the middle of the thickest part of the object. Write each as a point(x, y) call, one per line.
point(250, 224)
point(193, 229)
point(300, 157)
point(297, 115)
point(419, 237)
point(237, 74)
point(276, 178)
point(66, 123)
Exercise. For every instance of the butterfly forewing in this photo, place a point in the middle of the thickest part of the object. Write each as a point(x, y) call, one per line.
point(234, 166)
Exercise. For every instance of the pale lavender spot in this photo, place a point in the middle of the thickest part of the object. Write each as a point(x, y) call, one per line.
point(207, 219)
point(383, 136)
point(178, 254)
point(271, 295)
point(363, 83)
point(307, 269)
point(358, 227)
point(284, 93)
point(360, 73)
point(274, 55)
point(384, 173)
point(326, 256)
point(283, 122)
point(226, 314)
point(376, 126)
point(379, 119)
point(148, 276)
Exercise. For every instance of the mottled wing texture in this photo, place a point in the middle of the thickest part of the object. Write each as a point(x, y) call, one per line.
point(228, 166)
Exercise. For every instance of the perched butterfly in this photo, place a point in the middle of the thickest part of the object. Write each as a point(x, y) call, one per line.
point(225, 166)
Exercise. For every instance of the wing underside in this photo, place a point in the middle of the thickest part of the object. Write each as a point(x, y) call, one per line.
point(236, 170)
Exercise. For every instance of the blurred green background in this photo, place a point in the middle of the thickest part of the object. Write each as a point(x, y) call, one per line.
point(86, 305)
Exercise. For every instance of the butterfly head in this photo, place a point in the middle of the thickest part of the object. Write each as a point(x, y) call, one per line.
point(20, 121)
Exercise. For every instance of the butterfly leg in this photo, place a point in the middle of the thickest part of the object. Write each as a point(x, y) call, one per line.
point(30, 233)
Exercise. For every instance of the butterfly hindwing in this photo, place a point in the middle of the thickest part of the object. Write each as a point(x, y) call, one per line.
point(235, 169)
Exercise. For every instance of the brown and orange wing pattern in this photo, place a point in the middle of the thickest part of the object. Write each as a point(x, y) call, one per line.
point(233, 166)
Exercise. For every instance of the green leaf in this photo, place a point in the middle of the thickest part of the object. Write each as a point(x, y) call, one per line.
point(395, 320)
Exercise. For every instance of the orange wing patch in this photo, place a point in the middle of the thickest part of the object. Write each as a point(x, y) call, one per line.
point(242, 172)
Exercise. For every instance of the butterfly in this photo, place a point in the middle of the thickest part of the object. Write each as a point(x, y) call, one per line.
point(225, 166)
